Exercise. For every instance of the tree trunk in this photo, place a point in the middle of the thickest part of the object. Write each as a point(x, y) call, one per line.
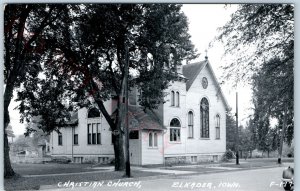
point(8, 170)
point(250, 154)
point(268, 153)
point(282, 135)
point(119, 153)
point(115, 125)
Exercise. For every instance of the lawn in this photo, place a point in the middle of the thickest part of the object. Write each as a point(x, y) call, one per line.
point(256, 162)
point(33, 183)
point(50, 168)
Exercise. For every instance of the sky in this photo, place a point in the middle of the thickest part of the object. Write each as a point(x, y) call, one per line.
point(204, 19)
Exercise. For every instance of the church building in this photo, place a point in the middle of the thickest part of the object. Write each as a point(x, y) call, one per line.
point(189, 127)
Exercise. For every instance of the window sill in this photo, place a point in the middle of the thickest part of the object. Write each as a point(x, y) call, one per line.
point(218, 138)
point(175, 106)
point(204, 138)
point(190, 137)
point(154, 148)
point(175, 142)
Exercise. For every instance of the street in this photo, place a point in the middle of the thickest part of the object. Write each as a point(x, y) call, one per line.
point(245, 180)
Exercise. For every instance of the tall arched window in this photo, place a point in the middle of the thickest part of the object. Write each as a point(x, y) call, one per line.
point(177, 99)
point(155, 139)
point(204, 118)
point(191, 124)
point(217, 126)
point(175, 130)
point(172, 98)
point(150, 140)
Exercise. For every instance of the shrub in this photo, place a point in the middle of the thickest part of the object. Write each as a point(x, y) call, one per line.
point(227, 156)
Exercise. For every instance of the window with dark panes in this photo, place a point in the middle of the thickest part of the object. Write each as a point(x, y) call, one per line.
point(175, 130)
point(204, 118)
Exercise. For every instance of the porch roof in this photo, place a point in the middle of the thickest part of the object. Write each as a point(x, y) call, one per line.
point(138, 119)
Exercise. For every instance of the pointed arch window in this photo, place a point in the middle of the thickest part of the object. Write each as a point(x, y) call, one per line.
point(190, 124)
point(177, 99)
point(155, 139)
point(204, 118)
point(150, 140)
point(172, 98)
point(217, 126)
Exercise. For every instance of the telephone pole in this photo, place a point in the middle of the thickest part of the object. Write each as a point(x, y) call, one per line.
point(237, 132)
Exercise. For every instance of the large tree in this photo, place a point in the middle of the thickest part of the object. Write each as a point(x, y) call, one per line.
point(86, 60)
point(255, 34)
point(259, 42)
point(230, 132)
point(24, 27)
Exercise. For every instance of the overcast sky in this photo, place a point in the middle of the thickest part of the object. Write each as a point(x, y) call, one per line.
point(204, 19)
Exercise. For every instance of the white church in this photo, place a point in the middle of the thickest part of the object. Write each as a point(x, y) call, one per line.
point(189, 127)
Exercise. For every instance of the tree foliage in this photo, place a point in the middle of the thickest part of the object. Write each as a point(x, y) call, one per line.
point(259, 45)
point(24, 27)
point(273, 94)
point(230, 132)
point(84, 61)
point(254, 35)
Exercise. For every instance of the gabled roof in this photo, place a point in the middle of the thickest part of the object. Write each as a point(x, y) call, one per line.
point(191, 71)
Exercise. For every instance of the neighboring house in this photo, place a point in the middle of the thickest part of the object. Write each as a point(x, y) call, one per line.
point(189, 127)
point(10, 134)
point(43, 148)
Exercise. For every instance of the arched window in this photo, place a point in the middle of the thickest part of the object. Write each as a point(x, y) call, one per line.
point(217, 126)
point(93, 127)
point(175, 130)
point(204, 118)
point(172, 98)
point(93, 112)
point(155, 139)
point(177, 99)
point(191, 124)
point(150, 140)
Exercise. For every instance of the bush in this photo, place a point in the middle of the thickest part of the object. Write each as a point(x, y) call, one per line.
point(227, 156)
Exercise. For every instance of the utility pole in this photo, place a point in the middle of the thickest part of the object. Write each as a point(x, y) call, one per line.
point(126, 129)
point(237, 132)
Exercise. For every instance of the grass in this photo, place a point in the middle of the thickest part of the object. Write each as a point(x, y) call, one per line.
point(33, 183)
